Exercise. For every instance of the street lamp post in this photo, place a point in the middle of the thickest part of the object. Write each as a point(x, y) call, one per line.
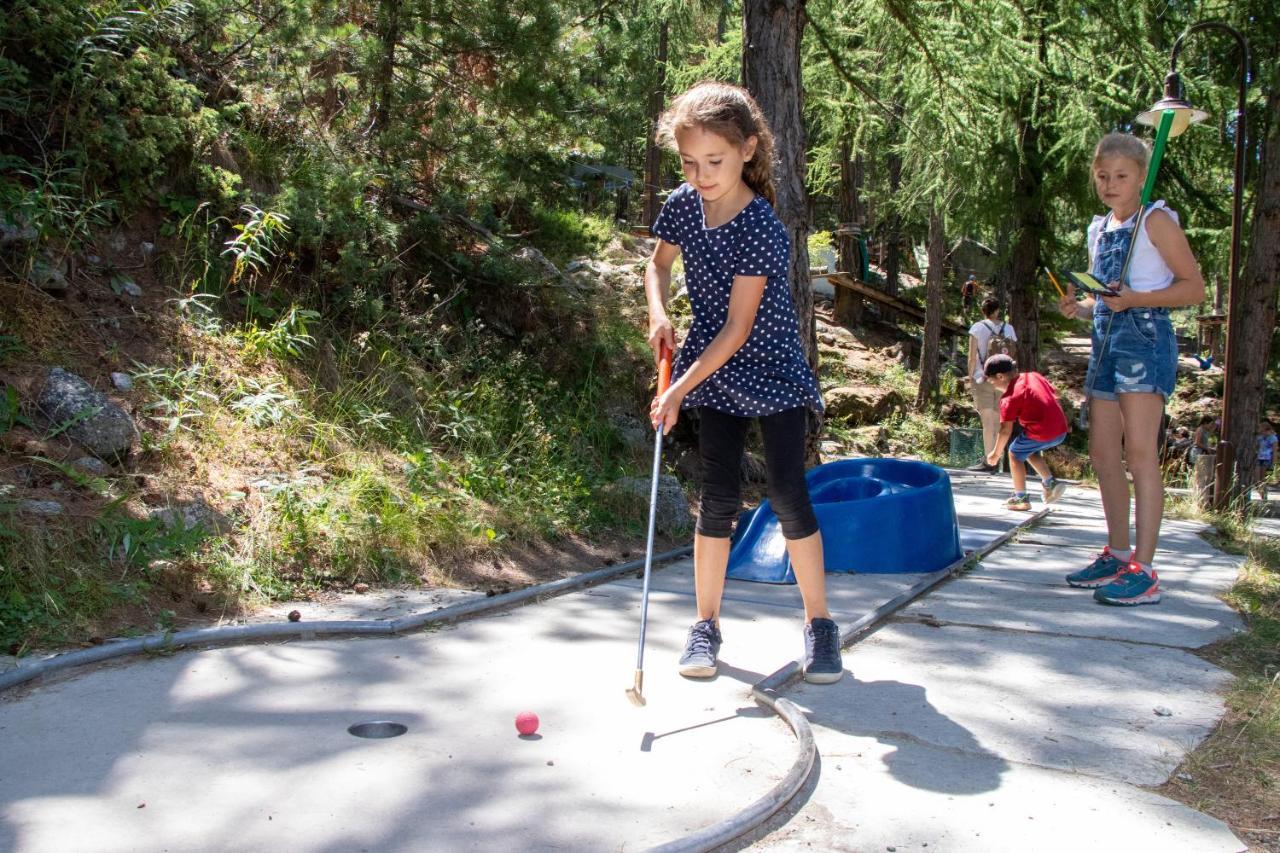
point(1184, 116)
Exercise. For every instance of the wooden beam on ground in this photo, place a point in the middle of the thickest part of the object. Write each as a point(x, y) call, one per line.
point(861, 288)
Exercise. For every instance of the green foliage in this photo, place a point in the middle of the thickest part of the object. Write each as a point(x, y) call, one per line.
point(181, 394)
point(11, 411)
point(288, 337)
point(254, 245)
point(562, 235)
point(58, 578)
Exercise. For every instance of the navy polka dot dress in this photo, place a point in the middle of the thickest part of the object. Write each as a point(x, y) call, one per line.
point(769, 374)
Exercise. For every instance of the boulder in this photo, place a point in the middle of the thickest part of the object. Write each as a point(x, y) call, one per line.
point(40, 507)
point(861, 405)
point(99, 425)
point(635, 434)
point(753, 468)
point(91, 465)
point(17, 231)
point(533, 258)
point(673, 517)
point(191, 514)
point(48, 275)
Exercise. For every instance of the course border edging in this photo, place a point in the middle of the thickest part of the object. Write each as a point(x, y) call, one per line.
point(237, 634)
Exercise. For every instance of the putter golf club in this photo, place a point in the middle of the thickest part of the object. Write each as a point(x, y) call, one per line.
point(636, 692)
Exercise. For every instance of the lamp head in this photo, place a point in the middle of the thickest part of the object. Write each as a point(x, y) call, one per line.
point(1184, 115)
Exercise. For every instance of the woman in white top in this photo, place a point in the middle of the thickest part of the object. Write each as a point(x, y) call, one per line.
point(986, 399)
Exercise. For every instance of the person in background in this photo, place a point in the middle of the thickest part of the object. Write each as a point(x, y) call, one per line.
point(968, 293)
point(1202, 438)
point(989, 336)
point(1266, 456)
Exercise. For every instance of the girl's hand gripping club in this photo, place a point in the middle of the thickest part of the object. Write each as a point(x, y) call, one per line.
point(636, 692)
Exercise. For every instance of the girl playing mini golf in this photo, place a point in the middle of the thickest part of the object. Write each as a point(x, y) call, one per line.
point(1132, 364)
point(742, 357)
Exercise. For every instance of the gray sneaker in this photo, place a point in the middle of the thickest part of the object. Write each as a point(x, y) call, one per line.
point(822, 664)
point(700, 650)
point(1053, 489)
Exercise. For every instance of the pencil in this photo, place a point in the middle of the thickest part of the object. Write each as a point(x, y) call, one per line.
point(1056, 286)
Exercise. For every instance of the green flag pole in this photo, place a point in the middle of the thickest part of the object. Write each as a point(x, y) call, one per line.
point(1157, 154)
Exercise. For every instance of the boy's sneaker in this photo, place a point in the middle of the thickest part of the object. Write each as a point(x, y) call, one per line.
point(1104, 569)
point(1053, 489)
point(1021, 503)
point(700, 650)
point(822, 664)
point(1133, 586)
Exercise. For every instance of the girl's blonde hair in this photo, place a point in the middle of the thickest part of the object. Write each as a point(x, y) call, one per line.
point(1122, 145)
point(728, 111)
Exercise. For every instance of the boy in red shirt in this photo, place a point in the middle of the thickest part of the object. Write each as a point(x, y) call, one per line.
point(1027, 399)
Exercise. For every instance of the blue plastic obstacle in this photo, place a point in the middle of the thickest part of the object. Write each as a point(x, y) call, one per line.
point(875, 515)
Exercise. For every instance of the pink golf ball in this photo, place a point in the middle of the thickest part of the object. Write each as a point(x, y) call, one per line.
point(526, 722)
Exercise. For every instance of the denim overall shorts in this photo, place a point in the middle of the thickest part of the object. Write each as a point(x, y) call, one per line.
point(1133, 350)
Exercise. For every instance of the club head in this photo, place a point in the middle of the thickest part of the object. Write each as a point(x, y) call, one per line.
point(636, 692)
point(646, 742)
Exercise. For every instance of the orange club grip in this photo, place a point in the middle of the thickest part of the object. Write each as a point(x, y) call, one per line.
point(664, 368)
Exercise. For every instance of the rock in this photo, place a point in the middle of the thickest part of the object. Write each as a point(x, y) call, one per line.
point(633, 432)
point(1162, 711)
point(103, 428)
point(861, 405)
point(47, 275)
point(192, 514)
point(40, 507)
point(753, 468)
point(532, 257)
point(829, 340)
point(17, 231)
point(673, 516)
point(688, 465)
point(126, 285)
point(122, 381)
point(91, 465)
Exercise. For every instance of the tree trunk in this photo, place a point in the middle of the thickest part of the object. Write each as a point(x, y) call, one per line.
point(771, 40)
point(848, 305)
point(893, 223)
point(722, 21)
point(852, 210)
point(1029, 226)
point(653, 153)
point(1255, 301)
point(384, 81)
point(932, 312)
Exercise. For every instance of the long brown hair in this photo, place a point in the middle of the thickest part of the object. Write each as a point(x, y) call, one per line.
point(728, 111)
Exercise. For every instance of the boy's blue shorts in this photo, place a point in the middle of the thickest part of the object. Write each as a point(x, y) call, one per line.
point(1022, 447)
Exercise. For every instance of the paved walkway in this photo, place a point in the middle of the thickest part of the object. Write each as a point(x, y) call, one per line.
point(1001, 711)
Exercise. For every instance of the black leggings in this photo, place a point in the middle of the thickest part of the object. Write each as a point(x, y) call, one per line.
point(721, 440)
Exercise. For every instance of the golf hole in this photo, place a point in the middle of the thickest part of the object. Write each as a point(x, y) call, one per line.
point(377, 729)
